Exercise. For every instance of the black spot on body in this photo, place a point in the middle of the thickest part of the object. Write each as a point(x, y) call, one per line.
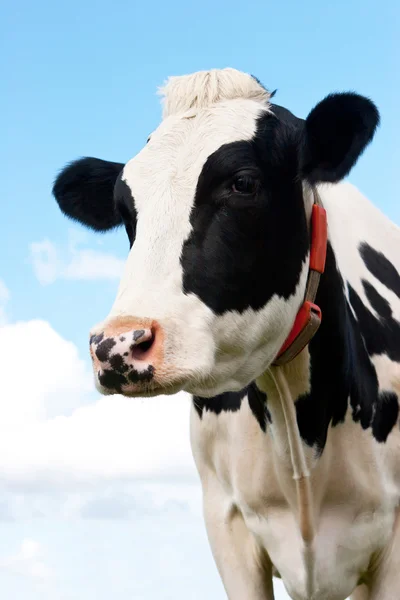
point(380, 304)
point(232, 401)
point(258, 405)
point(226, 402)
point(104, 348)
point(381, 268)
point(386, 415)
point(381, 336)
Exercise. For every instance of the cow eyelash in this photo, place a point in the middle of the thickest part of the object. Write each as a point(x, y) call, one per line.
point(244, 184)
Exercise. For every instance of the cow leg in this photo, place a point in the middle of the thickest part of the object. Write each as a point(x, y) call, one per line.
point(385, 575)
point(245, 570)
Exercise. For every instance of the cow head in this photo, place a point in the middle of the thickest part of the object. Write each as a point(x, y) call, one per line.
point(216, 207)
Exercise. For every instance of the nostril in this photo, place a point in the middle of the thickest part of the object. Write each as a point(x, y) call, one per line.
point(139, 348)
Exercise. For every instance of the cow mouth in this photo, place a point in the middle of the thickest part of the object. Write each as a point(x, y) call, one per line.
point(152, 391)
point(143, 389)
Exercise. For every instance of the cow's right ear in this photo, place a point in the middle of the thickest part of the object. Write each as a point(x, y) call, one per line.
point(84, 191)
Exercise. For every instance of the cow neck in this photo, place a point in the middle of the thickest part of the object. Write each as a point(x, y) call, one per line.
point(308, 318)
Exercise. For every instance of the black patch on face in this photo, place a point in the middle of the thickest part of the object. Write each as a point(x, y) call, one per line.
point(125, 207)
point(380, 267)
point(104, 348)
point(232, 401)
point(234, 258)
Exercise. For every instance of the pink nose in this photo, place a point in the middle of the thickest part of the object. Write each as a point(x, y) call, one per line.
point(126, 354)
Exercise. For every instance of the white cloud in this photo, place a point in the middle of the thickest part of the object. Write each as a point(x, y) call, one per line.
point(55, 427)
point(27, 561)
point(111, 439)
point(4, 298)
point(43, 375)
point(46, 262)
point(4, 292)
point(73, 262)
point(92, 264)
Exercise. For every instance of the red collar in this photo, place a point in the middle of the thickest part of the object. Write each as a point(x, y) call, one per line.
point(309, 316)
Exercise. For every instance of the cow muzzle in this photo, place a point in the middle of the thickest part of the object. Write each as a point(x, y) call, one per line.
point(128, 356)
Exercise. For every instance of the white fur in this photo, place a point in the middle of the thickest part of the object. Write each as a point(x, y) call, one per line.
point(205, 88)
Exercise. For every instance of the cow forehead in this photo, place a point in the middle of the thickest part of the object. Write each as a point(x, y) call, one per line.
point(169, 166)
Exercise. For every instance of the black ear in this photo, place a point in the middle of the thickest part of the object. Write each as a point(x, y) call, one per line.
point(335, 134)
point(84, 191)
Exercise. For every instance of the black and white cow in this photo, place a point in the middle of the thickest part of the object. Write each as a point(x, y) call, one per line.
point(217, 207)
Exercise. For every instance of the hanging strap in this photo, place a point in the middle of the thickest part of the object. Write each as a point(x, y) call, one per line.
point(308, 318)
point(301, 475)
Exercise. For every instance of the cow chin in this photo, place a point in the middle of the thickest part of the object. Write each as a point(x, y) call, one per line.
point(226, 373)
point(205, 387)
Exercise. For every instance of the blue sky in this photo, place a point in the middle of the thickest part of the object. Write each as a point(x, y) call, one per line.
point(80, 78)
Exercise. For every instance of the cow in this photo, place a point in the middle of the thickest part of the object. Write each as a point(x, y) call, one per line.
point(266, 286)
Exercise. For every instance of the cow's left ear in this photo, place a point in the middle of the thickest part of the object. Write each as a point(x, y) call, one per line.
point(335, 134)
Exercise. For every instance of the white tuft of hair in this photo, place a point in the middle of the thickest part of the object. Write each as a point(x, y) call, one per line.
point(204, 88)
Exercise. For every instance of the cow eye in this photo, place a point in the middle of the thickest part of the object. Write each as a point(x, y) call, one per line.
point(244, 184)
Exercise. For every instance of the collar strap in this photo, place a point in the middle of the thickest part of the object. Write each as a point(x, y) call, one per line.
point(309, 316)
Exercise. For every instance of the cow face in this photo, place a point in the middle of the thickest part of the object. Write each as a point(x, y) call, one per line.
point(216, 208)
